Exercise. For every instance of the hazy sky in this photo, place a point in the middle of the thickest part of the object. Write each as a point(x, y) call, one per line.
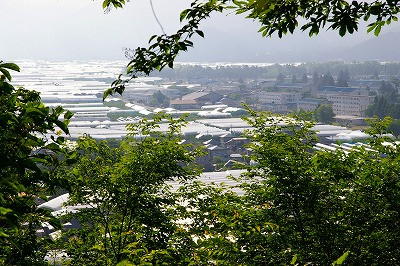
point(79, 29)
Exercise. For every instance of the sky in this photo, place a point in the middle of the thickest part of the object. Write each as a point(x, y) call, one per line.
point(80, 30)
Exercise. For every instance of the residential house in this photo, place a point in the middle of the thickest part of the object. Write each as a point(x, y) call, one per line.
point(195, 100)
point(184, 104)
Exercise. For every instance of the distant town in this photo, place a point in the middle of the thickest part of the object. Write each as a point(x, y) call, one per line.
point(340, 96)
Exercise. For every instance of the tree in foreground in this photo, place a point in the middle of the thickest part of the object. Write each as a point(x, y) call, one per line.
point(130, 213)
point(28, 158)
point(296, 205)
point(324, 204)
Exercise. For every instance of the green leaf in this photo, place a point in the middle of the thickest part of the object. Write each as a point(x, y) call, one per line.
point(294, 259)
point(108, 92)
point(371, 28)
point(129, 69)
point(377, 30)
point(342, 30)
point(2, 234)
point(4, 211)
point(125, 263)
point(52, 147)
point(340, 260)
point(183, 14)
point(199, 32)
point(55, 222)
point(62, 126)
point(68, 115)
point(11, 66)
point(6, 73)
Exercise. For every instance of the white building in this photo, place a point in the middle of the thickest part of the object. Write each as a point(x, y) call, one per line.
point(278, 97)
point(354, 105)
point(346, 100)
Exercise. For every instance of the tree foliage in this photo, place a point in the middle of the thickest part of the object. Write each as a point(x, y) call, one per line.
point(159, 99)
point(295, 204)
point(324, 203)
point(129, 203)
point(343, 79)
point(29, 156)
point(324, 113)
point(385, 104)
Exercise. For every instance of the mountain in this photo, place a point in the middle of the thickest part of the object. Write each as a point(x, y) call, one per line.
point(246, 45)
point(385, 47)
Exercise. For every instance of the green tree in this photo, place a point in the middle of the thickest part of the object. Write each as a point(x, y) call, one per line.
point(343, 79)
point(29, 150)
point(326, 80)
point(382, 107)
point(304, 78)
point(294, 78)
point(388, 90)
point(395, 127)
point(320, 205)
point(298, 204)
point(280, 78)
point(131, 215)
point(159, 99)
point(324, 113)
point(316, 78)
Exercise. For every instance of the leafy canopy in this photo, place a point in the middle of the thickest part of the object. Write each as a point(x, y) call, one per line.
point(296, 205)
point(129, 211)
point(29, 151)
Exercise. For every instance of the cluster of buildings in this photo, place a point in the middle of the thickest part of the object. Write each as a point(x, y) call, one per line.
point(344, 100)
point(215, 106)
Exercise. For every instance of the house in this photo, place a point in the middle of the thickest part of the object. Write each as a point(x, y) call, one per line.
point(236, 144)
point(230, 102)
point(195, 100)
point(203, 97)
point(184, 104)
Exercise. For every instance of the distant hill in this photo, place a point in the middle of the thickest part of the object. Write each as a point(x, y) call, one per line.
point(248, 46)
point(386, 47)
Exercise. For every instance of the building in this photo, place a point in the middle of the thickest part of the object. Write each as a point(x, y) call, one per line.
point(353, 105)
point(195, 100)
point(333, 90)
point(309, 104)
point(350, 120)
point(277, 97)
point(346, 100)
point(184, 104)
point(203, 97)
